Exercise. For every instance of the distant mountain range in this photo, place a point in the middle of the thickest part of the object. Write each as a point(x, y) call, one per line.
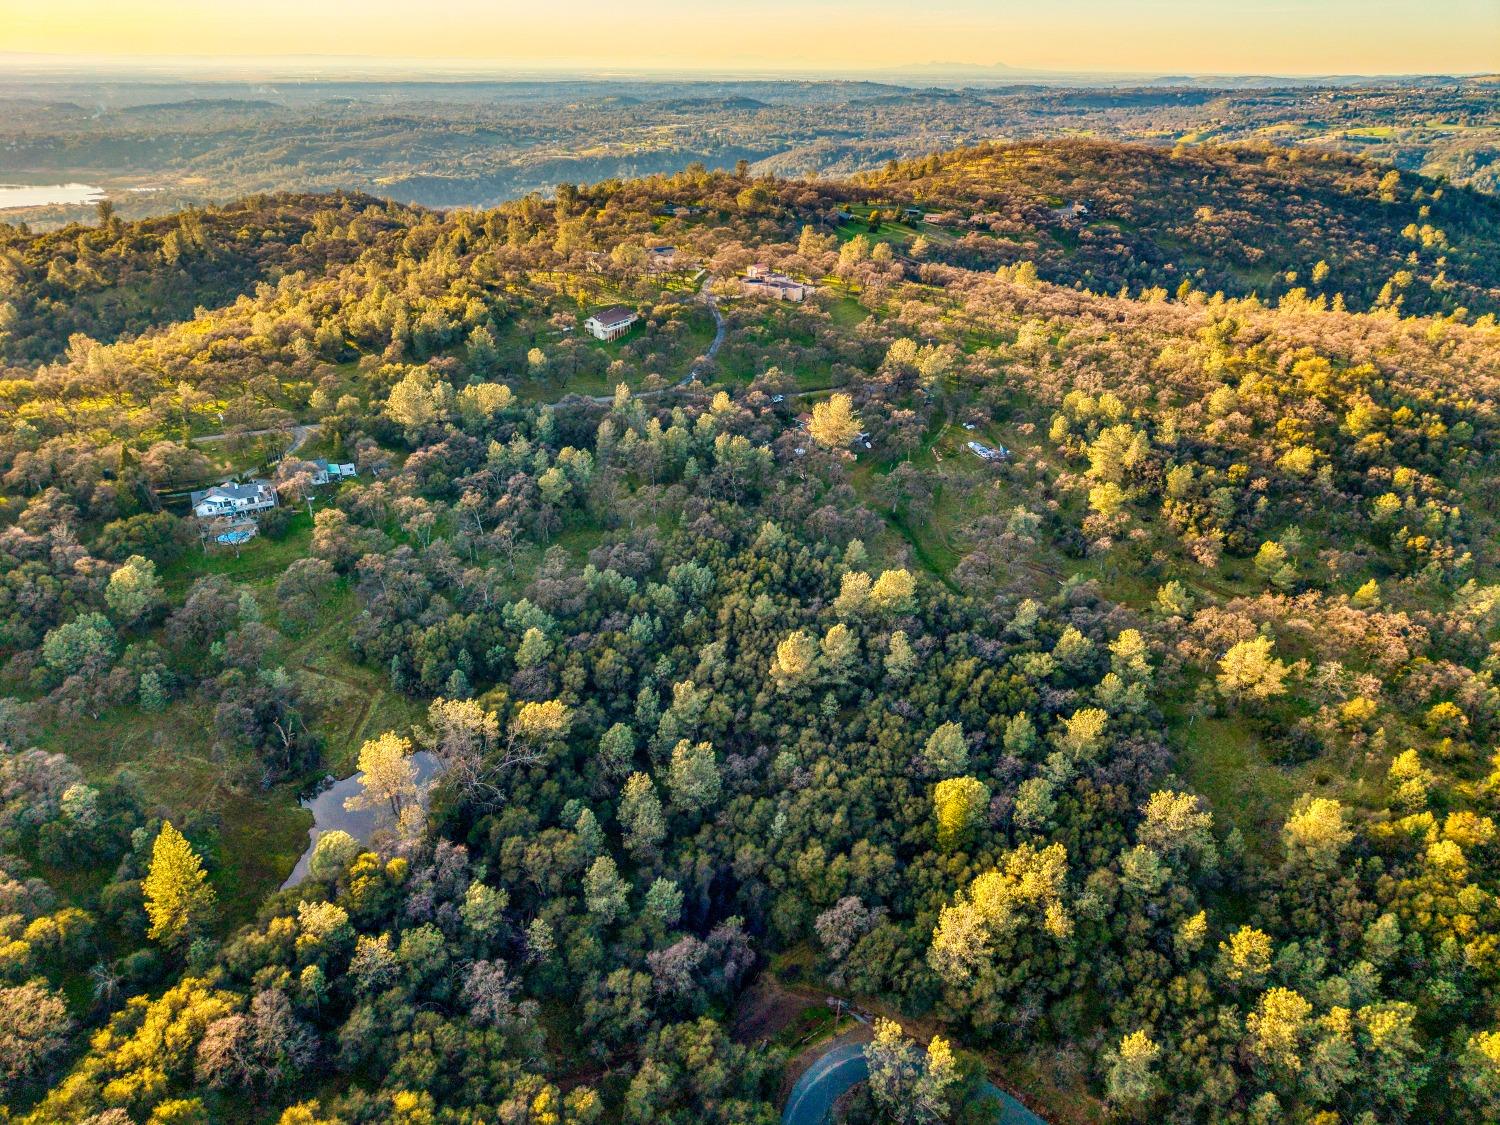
point(356, 67)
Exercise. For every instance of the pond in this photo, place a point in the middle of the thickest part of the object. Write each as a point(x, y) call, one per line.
point(329, 813)
point(43, 195)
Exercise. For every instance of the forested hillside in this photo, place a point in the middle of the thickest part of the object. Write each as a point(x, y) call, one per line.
point(1242, 220)
point(1067, 634)
point(119, 279)
point(158, 142)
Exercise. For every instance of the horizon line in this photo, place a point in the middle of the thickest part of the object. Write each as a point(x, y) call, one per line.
point(449, 64)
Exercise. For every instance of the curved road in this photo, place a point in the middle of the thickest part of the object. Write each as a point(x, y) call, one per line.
point(824, 1083)
point(842, 1067)
point(300, 433)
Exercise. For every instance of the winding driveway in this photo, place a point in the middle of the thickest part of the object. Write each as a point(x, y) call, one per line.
point(843, 1067)
point(824, 1083)
point(300, 433)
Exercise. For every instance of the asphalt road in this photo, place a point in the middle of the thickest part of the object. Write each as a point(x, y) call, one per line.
point(843, 1067)
point(824, 1083)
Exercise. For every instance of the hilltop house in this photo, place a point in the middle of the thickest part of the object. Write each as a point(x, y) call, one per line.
point(760, 280)
point(611, 323)
point(325, 471)
point(231, 499)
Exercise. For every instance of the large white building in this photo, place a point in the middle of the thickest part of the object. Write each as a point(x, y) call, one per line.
point(231, 499)
point(762, 281)
point(610, 324)
point(776, 287)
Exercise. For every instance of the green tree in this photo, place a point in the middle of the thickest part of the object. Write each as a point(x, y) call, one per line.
point(604, 892)
point(133, 590)
point(85, 643)
point(693, 777)
point(947, 751)
point(483, 355)
point(641, 817)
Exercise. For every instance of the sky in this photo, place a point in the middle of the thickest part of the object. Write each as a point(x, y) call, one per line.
point(1284, 37)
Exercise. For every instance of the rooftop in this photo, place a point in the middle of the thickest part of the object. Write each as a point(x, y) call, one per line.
point(229, 490)
point(617, 314)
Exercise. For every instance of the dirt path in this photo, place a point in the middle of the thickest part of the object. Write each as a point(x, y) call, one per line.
point(300, 433)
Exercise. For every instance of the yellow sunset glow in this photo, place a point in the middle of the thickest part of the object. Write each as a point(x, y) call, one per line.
point(1197, 36)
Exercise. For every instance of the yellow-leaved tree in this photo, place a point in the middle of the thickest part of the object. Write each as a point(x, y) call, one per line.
point(178, 896)
point(958, 804)
point(389, 777)
point(1249, 671)
point(893, 590)
point(834, 422)
point(794, 658)
point(539, 724)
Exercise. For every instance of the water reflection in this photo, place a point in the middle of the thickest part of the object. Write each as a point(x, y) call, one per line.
point(44, 195)
point(329, 813)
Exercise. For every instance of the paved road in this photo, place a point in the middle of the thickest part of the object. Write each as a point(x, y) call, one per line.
point(824, 1083)
point(843, 1067)
point(713, 349)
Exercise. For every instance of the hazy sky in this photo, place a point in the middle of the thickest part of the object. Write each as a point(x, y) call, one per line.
point(1165, 36)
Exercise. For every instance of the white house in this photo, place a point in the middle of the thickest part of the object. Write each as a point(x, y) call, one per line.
point(611, 324)
point(762, 281)
point(987, 452)
point(325, 471)
point(231, 499)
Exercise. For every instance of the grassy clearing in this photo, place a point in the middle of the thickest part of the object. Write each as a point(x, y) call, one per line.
point(180, 772)
point(354, 702)
point(675, 357)
point(847, 312)
point(260, 560)
point(1225, 761)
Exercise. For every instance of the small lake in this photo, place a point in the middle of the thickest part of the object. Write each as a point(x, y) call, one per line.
point(43, 195)
point(329, 814)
